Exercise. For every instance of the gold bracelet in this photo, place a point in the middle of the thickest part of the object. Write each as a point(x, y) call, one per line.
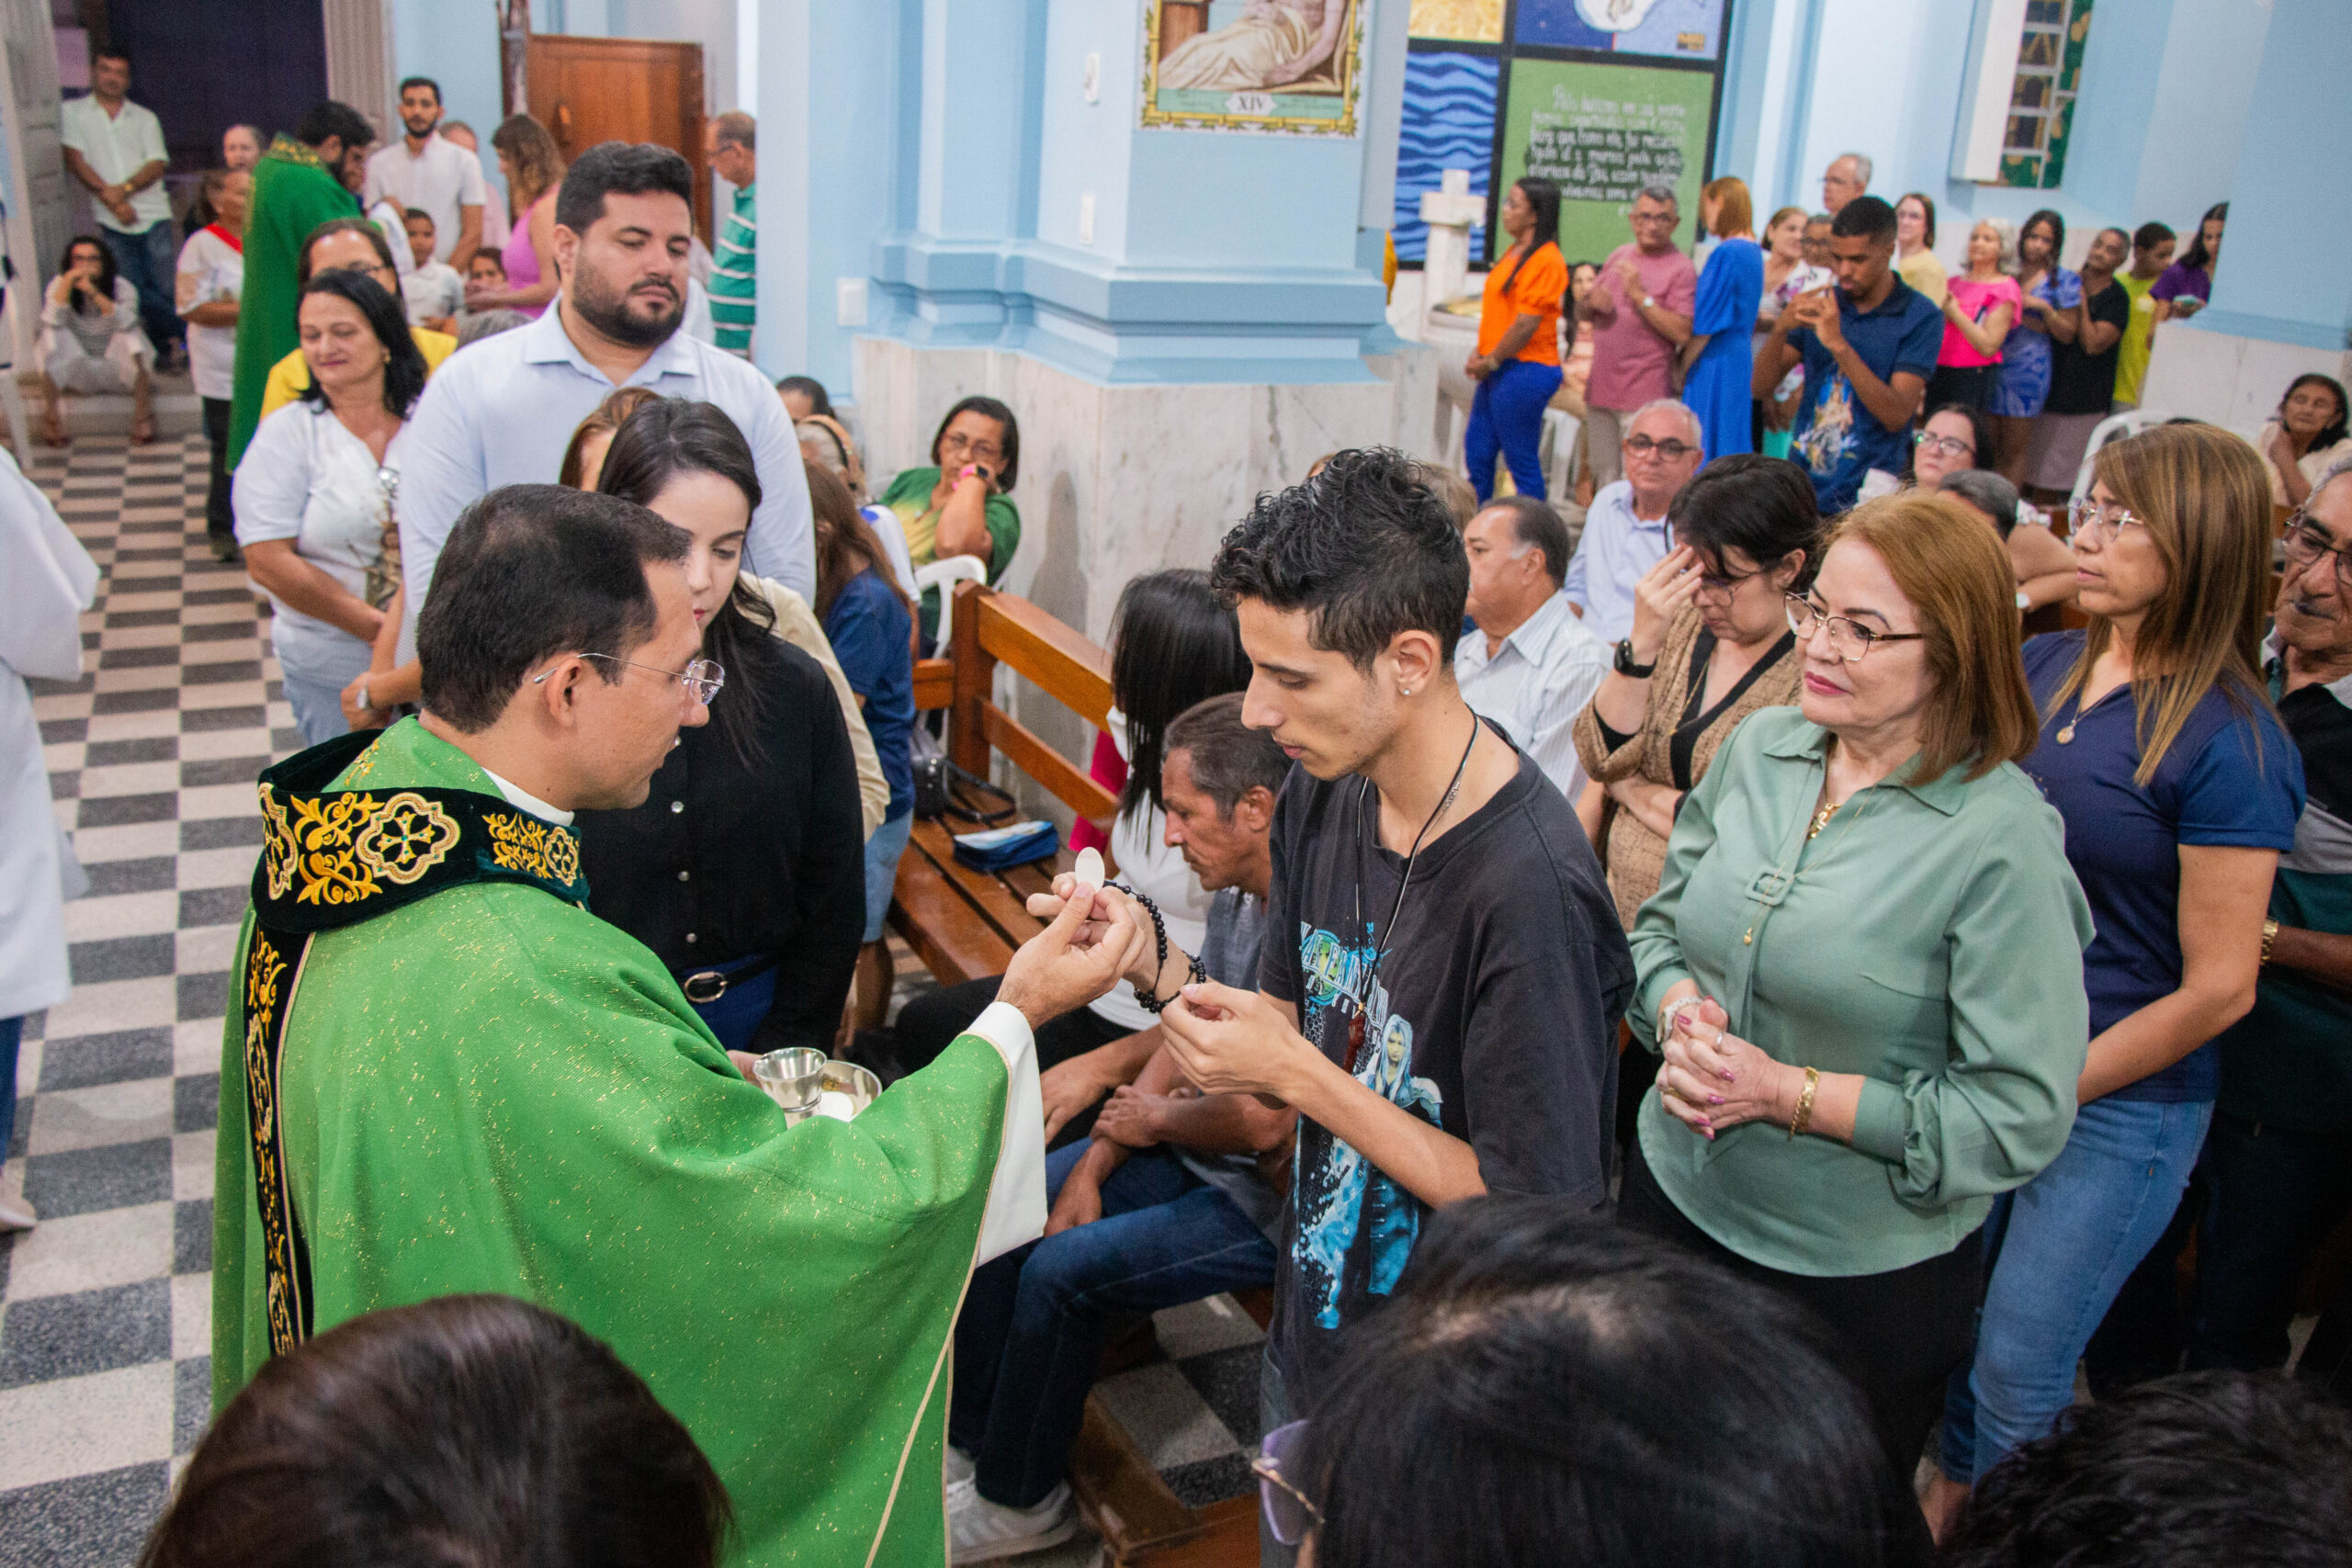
point(2269, 936)
point(1804, 1118)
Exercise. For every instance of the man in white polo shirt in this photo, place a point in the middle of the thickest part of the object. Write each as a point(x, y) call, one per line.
point(422, 171)
point(116, 149)
point(503, 412)
point(1531, 665)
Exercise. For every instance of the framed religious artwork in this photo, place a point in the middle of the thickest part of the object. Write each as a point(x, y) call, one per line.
point(1287, 66)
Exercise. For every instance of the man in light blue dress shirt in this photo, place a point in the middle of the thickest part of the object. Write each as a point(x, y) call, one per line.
point(501, 411)
point(1531, 665)
point(1624, 530)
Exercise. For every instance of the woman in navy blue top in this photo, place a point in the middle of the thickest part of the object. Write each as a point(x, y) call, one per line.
point(870, 622)
point(2179, 789)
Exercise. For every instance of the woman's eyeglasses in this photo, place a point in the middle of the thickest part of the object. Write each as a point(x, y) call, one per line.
point(702, 679)
point(1848, 639)
point(1290, 1513)
point(2086, 518)
point(1949, 445)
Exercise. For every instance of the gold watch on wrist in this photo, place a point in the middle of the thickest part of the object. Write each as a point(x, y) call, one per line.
point(2269, 938)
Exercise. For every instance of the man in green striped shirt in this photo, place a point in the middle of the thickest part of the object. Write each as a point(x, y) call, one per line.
point(734, 279)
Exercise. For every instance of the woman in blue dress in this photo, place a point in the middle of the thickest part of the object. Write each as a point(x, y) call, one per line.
point(1722, 347)
point(2051, 296)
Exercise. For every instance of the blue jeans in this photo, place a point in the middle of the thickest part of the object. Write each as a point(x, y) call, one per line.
point(882, 853)
point(148, 261)
point(1506, 415)
point(1035, 1321)
point(2057, 1250)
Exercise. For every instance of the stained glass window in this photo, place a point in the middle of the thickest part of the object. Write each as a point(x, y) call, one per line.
point(2041, 96)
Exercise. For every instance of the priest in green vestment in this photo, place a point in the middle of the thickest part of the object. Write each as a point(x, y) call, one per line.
point(441, 1074)
point(301, 182)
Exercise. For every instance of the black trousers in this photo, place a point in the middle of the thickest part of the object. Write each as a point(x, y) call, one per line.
point(1897, 1334)
point(929, 1022)
point(217, 517)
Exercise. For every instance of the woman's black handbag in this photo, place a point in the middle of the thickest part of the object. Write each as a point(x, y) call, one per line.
point(944, 790)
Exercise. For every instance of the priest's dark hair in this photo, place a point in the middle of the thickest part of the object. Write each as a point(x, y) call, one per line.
point(1548, 1387)
point(2180, 1473)
point(473, 1429)
point(1367, 547)
point(531, 571)
point(662, 440)
point(1173, 642)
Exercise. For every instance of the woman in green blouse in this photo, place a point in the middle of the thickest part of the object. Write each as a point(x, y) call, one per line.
point(961, 504)
point(1863, 964)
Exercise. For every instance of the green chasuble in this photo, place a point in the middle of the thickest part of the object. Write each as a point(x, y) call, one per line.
point(293, 194)
point(486, 1088)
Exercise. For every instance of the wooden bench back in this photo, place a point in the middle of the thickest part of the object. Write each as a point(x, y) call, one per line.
point(992, 628)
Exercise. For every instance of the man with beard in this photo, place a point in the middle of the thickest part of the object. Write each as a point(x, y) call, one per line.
point(423, 172)
point(502, 413)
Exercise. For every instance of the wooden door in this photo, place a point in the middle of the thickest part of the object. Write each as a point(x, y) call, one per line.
point(587, 90)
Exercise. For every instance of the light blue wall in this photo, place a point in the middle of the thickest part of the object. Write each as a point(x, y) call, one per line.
point(2169, 88)
point(2283, 275)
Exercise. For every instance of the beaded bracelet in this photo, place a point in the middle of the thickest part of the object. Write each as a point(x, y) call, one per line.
point(1147, 997)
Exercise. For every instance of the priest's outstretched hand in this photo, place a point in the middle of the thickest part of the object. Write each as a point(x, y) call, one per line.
point(1074, 960)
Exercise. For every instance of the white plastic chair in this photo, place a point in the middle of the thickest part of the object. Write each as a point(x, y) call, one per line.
point(943, 575)
point(2130, 422)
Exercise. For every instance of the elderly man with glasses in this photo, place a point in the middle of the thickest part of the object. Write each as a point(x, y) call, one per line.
point(2278, 1164)
point(1625, 530)
point(1640, 308)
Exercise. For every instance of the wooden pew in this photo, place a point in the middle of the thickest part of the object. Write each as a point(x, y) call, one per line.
point(964, 924)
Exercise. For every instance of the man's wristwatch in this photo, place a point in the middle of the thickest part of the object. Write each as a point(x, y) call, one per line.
point(1625, 665)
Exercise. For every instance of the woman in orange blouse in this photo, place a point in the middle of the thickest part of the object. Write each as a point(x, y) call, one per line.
point(1518, 363)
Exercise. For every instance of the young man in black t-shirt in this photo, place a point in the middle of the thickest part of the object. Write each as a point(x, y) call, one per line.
point(1443, 969)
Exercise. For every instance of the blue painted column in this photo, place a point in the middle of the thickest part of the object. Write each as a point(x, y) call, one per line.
point(2282, 274)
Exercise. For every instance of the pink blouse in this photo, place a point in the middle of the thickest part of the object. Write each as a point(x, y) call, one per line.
point(1978, 299)
point(522, 261)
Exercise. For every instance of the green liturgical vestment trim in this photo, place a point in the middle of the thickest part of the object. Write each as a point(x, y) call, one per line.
point(471, 1083)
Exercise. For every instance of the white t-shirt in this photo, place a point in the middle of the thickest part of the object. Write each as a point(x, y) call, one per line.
point(433, 289)
point(210, 270)
point(307, 478)
point(1146, 864)
point(118, 146)
point(439, 180)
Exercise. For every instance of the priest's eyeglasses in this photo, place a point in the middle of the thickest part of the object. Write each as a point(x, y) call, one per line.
point(1848, 639)
point(702, 679)
point(2306, 541)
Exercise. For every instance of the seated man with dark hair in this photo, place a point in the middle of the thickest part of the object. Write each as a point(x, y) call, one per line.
point(1177, 1196)
point(441, 1073)
point(2182, 1473)
point(1549, 1388)
point(472, 1428)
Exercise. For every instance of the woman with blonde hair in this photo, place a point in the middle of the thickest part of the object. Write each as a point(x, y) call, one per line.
point(2178, 788)
point(1981, 304)
point(1864, 966)
point(532, 168)
point(1722, 349)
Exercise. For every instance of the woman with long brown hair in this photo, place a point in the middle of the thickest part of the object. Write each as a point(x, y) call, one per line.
point(870, 622)
point(2178, 788)
point(528, 161)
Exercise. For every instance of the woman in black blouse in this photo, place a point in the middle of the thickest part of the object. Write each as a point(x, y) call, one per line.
point(745, 868)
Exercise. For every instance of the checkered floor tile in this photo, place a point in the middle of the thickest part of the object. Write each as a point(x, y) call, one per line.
point(104, 1316)
point(106, 1307)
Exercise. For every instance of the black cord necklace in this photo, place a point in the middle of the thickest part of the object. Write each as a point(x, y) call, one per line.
point(1361, 999)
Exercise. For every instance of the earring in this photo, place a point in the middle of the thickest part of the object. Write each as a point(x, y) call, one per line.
point(1404, 691)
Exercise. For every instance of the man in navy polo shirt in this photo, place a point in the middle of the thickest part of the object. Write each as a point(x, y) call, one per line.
point(1868, 346)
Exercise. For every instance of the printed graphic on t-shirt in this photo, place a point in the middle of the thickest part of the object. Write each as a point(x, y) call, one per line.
point(1339, 1195)
point(1825, 443)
